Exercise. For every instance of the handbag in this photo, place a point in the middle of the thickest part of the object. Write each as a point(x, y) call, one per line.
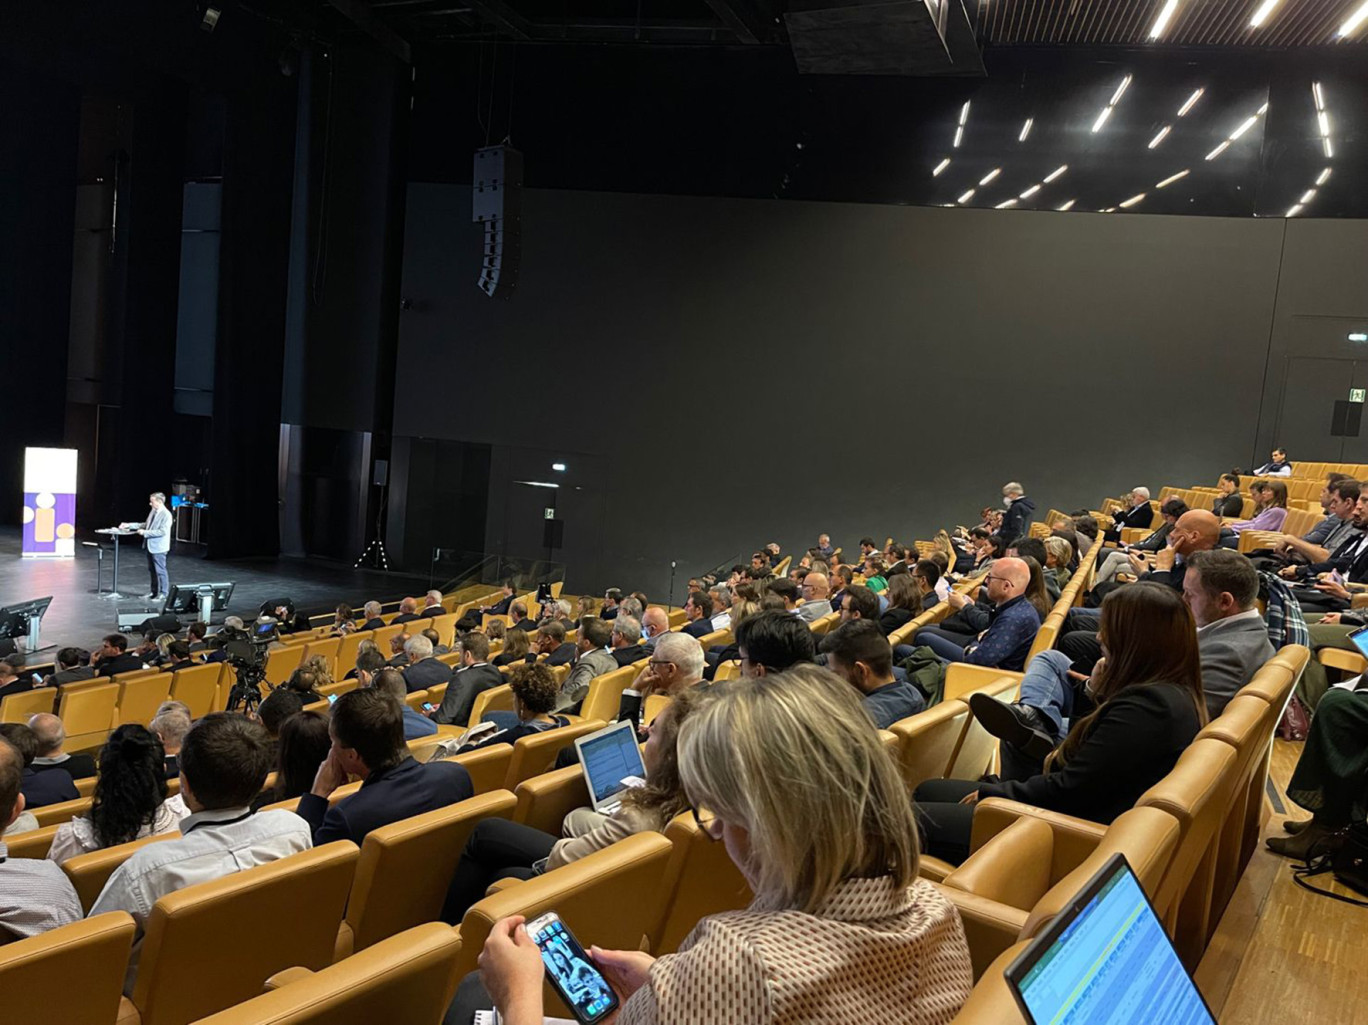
point(1346, 855)
point(1295, 723)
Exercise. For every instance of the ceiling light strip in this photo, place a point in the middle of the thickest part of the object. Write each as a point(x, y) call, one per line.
point(1190, 102)
point(1161, 23)
point(1162, 134)
point(1172, 178)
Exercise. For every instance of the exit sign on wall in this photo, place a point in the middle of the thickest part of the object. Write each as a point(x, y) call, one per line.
point(1358, 394)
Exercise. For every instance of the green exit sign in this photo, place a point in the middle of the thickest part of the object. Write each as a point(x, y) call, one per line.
point(1358, 394)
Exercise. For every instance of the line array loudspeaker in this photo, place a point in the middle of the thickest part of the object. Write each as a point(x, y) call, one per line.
point(496, 202)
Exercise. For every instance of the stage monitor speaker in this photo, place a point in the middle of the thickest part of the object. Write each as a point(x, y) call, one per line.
point(496, 202)
point(553, 533)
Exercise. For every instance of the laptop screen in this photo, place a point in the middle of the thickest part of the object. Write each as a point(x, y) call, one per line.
point(1360, 639)
point(608, 757)
point(1107, 959)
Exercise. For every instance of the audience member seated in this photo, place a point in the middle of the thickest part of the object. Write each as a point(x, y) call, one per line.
point(1058, 556)
point(1270, 507)
point(833, 924)
point(816, 591)
point(1149, 706)
point(171, 725)
point(625, 644)
point(114, 657)
point(823, 549)
point(500, 849)
point(926, 576)
point(517, 612)
point(39, 788)
point(611, 598)
point(50, 735)
point(535, 692)
point(343, 623)
point(1012, 623)
point(631, 606)
point(1123, 562)
point(1317, 589)
point(433, 606)
point(371, 613)
point(698, 610)
point(130, 797)
point(435, 639)
point(787, 591)
point(550, 643)
point(655, 624)
point(1277, 466)
point(905, 600)
point(496, 630)
point(424, 669)
point(842, 577)
point(35, 895)
point(73, 666)
point(408, 612)
point(391, 682)
point(223, 765)
point(1034, 548)
point(301, 748)
point(860, 654)
point(1137, 514)
point(305, 682)
point(770, 642)
point(177, 657)
point(593, 660)
point(874, 574)
point(1339, 499)
point(398, 656)
point(473, 677)
point(859, 603)
point(517, 647)
point(276, 707)
point(1019, 510)
point(1329, 778)
point(1229, 503)
point(1222, 589)
point(195, 634)
point(367, 729)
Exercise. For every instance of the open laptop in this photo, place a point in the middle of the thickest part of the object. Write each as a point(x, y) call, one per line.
point(612, 764)
point(1359, 638)
point(1106, 959)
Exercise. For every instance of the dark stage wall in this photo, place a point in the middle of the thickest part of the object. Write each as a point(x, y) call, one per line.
point(729, 372)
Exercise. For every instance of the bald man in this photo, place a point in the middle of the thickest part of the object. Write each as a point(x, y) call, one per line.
point(1012, 624)
point(816, 592)
point(654, 624)
point(51, 736)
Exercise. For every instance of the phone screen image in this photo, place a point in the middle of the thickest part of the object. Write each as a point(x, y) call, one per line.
point(332, 698)
point(428, 706)
point(583, 988)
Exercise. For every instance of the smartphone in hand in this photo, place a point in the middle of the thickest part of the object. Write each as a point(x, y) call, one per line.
point(571, 972)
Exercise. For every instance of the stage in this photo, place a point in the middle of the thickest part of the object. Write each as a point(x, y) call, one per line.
point(80, 618)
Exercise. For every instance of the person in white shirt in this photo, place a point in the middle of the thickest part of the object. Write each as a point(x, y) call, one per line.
point(223, 764)
point(35, 895)
point(1277, 466)
point(722, 602)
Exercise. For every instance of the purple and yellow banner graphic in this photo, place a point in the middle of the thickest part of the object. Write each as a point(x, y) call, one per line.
point(49, 503)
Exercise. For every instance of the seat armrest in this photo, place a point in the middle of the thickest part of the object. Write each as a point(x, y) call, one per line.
point(289, 975)
point(1074, 839)
point(1013, 868)
point(933, 869)
point(499, 885)
point(989, 927)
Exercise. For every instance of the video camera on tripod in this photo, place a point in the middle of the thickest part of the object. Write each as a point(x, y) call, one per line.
point(246, 653)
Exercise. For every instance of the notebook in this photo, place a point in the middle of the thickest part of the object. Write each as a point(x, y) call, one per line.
point(612, 764)
point(1106, 959)
point(493, 1018)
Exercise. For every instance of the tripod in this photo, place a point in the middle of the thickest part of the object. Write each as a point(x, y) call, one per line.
point(374, 556)
point(246, 693)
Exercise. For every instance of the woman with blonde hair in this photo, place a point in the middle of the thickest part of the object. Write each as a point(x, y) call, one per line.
point(1058, 555)
point(496, 630)
point(517, 646)
point(788, 772)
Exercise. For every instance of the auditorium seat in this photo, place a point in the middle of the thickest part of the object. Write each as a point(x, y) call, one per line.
point(86, 714)
point(1017, 881)
point(347, 651)
point(534, 754)
point(700, 880)
point(340, 687)
point(977, 748)
point(281, 662)
point(67, 976)
point(655, 704)
point(408, 978)
point(327, 648)
point(543, 801)
point(140, 697)
point(727, 671)
point(446, 629)
point(62, 811)
point(928, 740)
point(405, 868)
point(488, 767)
point(19, 707)
point(611, 898)
point(721, 638)
point(991, 1002)
point(605, 691)
point(198, 687)
point(213, 945)
point(495, 699)
point(33, 843)
point(820, 626)
point(89, 872)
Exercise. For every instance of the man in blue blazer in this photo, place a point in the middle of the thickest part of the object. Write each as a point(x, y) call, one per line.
point(367, 729)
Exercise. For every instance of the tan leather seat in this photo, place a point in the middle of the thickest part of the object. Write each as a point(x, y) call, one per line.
point(928, 740)
point(1016, 882)
point(605, 692)
point(62, 811)
point(535, 754)
point(213, 945)
point(348, 650)
point(281, 662)
point(544, 801)
point(18, 707)
point(86, 714)
point(343, 687)
point(611, 898)
point(198, 686)
point(978, 748)
point(409, 978)
point(326, 648)
point(68, 976)
point(34, 843)
point(90, 872)
point(445, 626)
point(140, 697)
point(991, 1001)
point(405, 868)
point(962, 679)
point(700, 880)
point(495, 699)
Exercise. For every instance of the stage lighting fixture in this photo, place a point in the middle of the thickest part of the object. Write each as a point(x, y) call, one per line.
point(210, 19)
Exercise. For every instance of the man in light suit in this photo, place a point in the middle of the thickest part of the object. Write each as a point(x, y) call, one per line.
point(156, 533)
point(1221, 587)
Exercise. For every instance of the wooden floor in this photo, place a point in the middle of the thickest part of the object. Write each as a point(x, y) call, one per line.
point(1282, 955)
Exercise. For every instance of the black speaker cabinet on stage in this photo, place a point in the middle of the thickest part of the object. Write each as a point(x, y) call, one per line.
point(497, 203)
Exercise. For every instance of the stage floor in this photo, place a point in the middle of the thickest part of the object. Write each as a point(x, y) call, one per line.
point(79, 617)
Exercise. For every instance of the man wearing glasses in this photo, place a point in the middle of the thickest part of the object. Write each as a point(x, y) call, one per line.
point(1012, 625)
point(816, 589)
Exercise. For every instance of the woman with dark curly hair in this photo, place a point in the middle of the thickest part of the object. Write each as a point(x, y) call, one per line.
point(130, 797)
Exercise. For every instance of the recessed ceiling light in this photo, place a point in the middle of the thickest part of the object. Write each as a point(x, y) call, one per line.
point(1126, 204)
point(965, 197)
point(1066, 206)
point(1101, 119)
point(1218, 150)
point(1026, 129)
point(1358, 336)
point(1172, 178)
point(1159, 137)
point(1262, 109)
point(1190, 101)
point(1262, 12)
point(1005, 204)
point(558, 467)
point(1323, 177)
point(1056, 173)
point(1245, 126)
point(1120, 89)
point(1354, 21)
point(1329, 150)
point(1318, 95)
point(990, 176)
point(959, 134)
point(1293, 211)
point(935, 172)
point(964, 113)
point(1030, 192)
point(1306, 197)
point(1165, 16)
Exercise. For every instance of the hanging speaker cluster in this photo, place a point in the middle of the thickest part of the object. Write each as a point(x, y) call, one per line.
point(497, 204)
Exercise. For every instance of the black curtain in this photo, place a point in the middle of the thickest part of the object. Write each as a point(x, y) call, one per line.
point(258, 155)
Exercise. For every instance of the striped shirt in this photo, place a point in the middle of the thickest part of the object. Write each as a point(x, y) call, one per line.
point(35, 896)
